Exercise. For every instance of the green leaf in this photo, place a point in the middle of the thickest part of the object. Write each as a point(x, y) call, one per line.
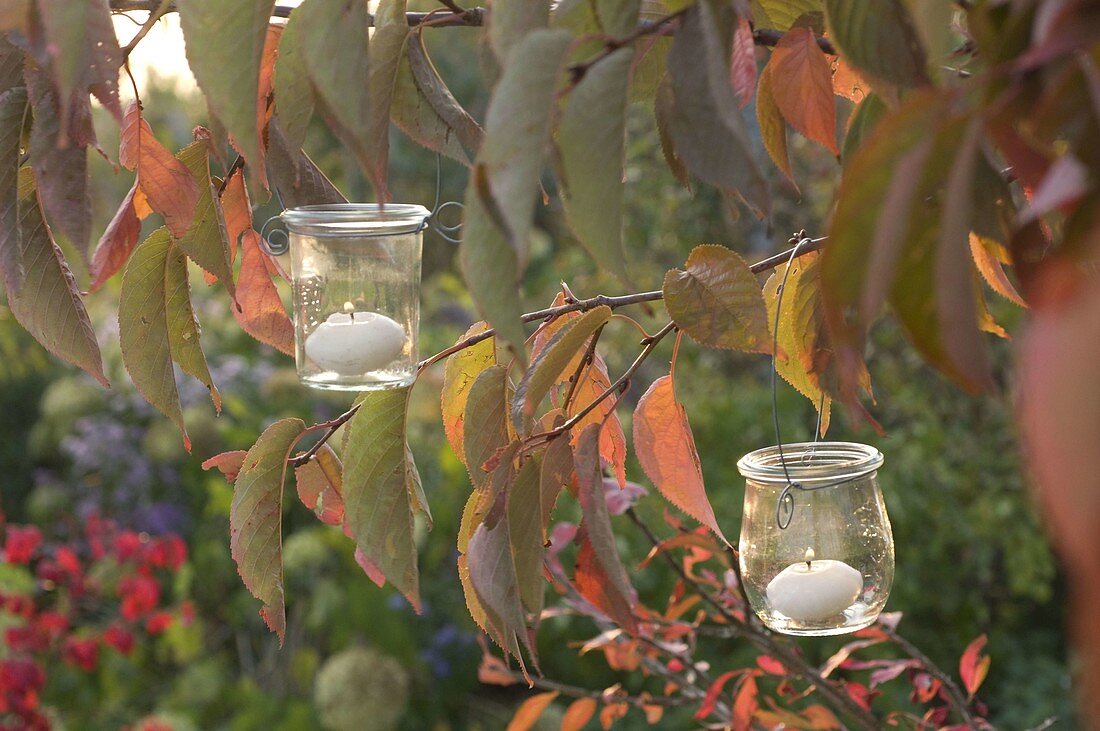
point(591, 137)
point(906, 205)
point(183, 328)
point(486, 407)
point(600, 575)
point(430, 86)
point(417, 496)
point(13, 105)
point(556, 475)
point(376, 489)
point(299, 181)
point(717, 301)
point(511, 21)
point(414, 115)
point(45, 299)
point(60, 165)
point(459, 373)
point(293, 91)
point(664, 109)
point(781, 14)
point(225, 45)
point(494, 579)
point(491, 268)
point(387, 49)
point(333, 37)
point(157, 325)
point(525, 531)
point(517, 127)
point(256, 518)
point(862, 121)
point(551, 363)
point(879, 39)
point(801, 335)
point(706, 125)
point(206, 241)
point(80, 37)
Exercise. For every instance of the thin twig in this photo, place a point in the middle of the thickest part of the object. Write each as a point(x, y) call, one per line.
point(586, 359)
point(154, 15)
point(548, 314)
point(646, 28)
point(956, 699)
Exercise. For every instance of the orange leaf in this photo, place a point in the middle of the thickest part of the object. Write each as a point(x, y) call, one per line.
point(166, 182)
point(805, 90)
point(846, 80)
point(713, 692)
point(611, 713)
point(228, 463)
point(593, 382)
point(493, 670)
point(117, 242)
point(266, 86)
point(666, 451)
point(320, 483)
point(973, 667)
point(992, 270)
point(530, 711)
point(745, 705)
point(743, 62)
point(578, 714)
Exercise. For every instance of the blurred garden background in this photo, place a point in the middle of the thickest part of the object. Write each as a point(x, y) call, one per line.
point(130, 603)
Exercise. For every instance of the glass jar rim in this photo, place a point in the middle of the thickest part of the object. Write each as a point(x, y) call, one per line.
point(362, 219)
point(811, 462)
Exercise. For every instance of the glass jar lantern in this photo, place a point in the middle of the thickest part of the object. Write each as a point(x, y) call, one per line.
point(816, 548)
point(355, 276)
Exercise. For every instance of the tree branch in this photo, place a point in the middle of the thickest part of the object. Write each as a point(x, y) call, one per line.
point(548, 314)
point(477, 17)
point(831, 693)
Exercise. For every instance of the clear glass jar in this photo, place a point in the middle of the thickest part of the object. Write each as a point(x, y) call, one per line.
point(829, 570)
point(355, 275)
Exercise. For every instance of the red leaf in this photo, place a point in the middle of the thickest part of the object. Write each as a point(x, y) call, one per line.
point(529, 712)
point(370, 568)
point(117, 242)
point(715, 690)
point(1063, 185)
point(600, 576)
point(743, 62)
point(861, 694)
point(770, 665)
point(666, 451)
point(228, 463)
point(594, 381)
point(805, 95)
point(973, 667)
point(745, 705)
point(166, 182)
point(578, 714)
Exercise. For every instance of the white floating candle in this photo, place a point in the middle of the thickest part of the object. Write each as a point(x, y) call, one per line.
point(353, 343)
point(812, 591)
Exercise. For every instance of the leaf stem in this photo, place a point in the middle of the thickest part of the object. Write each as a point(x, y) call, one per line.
point(155, 14)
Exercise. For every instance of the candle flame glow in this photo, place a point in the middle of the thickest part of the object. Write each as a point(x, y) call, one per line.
point(809, 556)
point(349, 307)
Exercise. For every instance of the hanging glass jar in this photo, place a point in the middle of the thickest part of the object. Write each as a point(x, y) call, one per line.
point(816, 548)
point(355, 276)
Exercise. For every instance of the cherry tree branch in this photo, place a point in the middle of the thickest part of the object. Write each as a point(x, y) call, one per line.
point(548, 314)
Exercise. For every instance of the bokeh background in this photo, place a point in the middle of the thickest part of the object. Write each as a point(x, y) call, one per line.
point(971, 557)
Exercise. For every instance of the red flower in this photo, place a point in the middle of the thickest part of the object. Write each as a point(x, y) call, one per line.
point(187, 612)
point(51, 624)
point(140, 595)
point(82, 653)
point(68, 561)
point(119, 638)
point(169, 551)
point(158, 622)
point(127, 545)
point(21, 542)
point(26, 639)
point(20, 605)
point(20, 675)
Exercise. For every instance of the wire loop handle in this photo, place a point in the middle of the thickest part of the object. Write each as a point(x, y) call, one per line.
point(270, 245)
point(784, 506)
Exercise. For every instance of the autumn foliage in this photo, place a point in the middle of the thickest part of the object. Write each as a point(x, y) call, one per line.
point(965, 143)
